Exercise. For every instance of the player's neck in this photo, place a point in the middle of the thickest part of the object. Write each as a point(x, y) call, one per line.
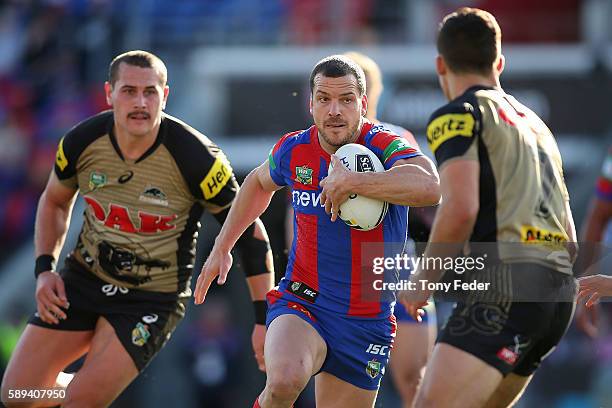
point(459, 83)
point(132, 147)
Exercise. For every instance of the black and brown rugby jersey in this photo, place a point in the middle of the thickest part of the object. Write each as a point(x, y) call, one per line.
point(522, 190)
point(142, 216)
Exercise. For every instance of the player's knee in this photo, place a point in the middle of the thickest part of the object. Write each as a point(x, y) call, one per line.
point(409, 382)
point(286, 386)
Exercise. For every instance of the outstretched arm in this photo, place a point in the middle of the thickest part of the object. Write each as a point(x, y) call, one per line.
point(256, 258)
point(251, 201)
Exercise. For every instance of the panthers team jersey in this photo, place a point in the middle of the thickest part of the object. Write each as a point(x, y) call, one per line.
point(142, 216)
point(331, 259)
point(522, 191)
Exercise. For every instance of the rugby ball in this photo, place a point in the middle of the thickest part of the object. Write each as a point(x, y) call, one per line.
point(360, 212)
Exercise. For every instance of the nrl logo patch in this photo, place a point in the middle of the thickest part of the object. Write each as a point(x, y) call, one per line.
point(154, 195)
point(303, 174)
point(295, 286)
point(96, 180)
point(140, 334)
point(373, 368)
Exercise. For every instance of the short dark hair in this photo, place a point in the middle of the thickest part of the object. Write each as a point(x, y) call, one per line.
point(138, 58)
point(469, 40)
point(337, 66)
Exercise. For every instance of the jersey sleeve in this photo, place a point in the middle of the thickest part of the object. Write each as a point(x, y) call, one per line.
point(72, 145)
point(278, 159)
point(390, 148)
point(216, 181)
point(205, 168)
point(452, 131)
point(604, 182)
point(65, 162)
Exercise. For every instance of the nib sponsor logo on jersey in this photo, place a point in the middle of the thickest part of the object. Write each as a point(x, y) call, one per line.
point(118, 217)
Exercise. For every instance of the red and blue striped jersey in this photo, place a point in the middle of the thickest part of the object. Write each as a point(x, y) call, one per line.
point(330, 257)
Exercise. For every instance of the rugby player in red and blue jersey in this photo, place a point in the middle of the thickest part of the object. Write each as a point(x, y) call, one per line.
point(322, 319)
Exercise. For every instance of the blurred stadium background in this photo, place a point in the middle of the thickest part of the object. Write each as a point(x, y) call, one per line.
point(238, 72)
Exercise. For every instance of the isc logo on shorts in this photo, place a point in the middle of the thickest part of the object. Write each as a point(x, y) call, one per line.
point(377, 349)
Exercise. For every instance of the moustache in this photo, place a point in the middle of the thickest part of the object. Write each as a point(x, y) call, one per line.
point(133, 114)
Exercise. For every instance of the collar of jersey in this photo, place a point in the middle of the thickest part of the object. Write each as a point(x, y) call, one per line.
point(150, 150)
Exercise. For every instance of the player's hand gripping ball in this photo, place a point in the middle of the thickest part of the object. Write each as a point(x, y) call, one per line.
point(360, 212)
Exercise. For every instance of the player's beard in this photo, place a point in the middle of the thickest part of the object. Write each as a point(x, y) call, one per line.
point(350, 137)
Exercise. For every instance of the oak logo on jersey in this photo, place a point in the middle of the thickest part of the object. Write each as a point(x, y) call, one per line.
point(535, 235)
point(96, 180)
point(217, 177)
point(140, 334)
point(373, 368)
point(118, 217)
point(60, 157)
point(154, 195)
point(303, 174)
point(447, 126)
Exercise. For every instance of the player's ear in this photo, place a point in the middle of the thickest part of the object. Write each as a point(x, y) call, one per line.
point(500, 64)
point(441, 68)
point(108, 90)
point(310, 104)
point(166, 92)
point(364, 105)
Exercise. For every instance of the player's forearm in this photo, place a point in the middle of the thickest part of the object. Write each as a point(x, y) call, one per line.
point(406, 184)
point(260, 285)
point(251, 201)
point(257, 261)
point(51, 226)
point(596, 220)
point(452, 227)
point(453, 223)
point(597, 217)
